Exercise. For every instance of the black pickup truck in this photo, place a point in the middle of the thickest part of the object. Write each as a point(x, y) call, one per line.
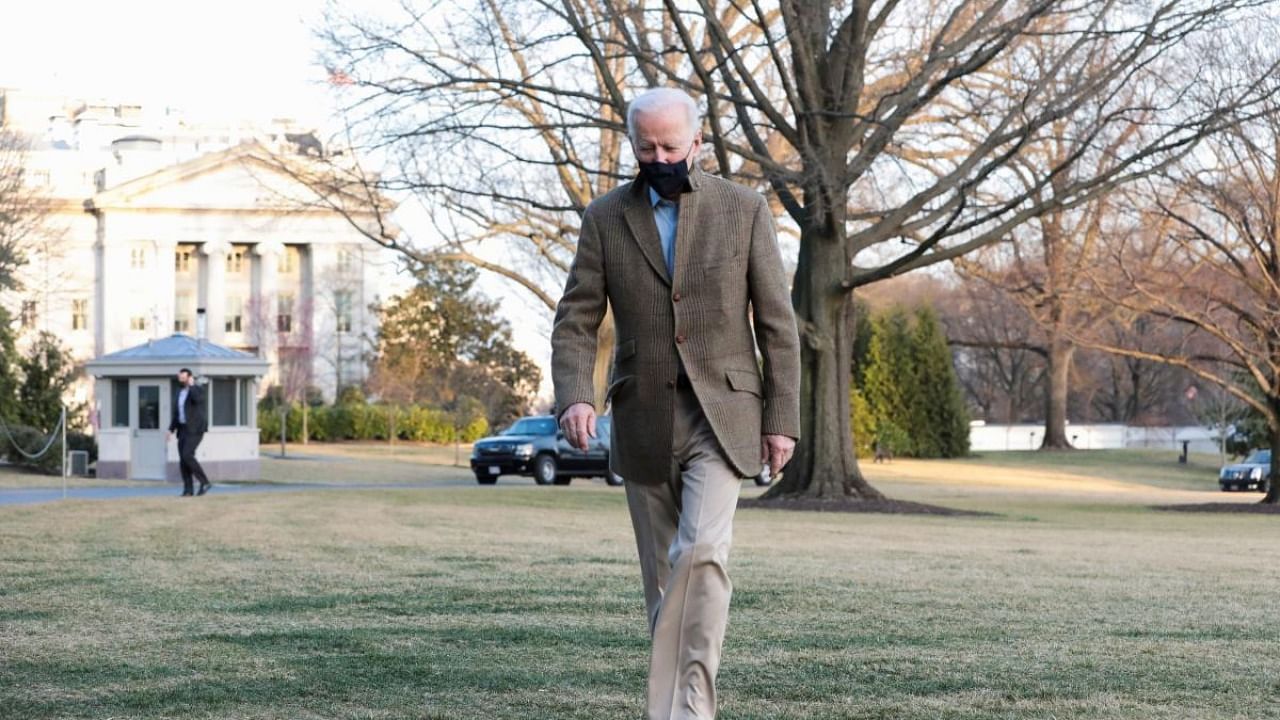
point(535, 446)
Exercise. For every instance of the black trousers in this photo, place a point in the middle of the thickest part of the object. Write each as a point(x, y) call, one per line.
point(187, 463)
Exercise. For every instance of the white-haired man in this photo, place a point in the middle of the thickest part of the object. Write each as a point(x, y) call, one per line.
point(690, 264)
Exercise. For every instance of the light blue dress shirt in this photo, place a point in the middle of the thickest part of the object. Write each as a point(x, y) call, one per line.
point(182, 405)
point(666, 215)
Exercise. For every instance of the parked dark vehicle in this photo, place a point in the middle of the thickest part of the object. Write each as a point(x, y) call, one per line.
point(1252, 472)
point(536, 447)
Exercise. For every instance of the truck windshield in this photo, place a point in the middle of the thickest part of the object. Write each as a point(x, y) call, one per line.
point(532, 426)
point(1259, 457)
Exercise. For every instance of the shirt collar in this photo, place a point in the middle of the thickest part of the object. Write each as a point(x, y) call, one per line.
point(655, 198)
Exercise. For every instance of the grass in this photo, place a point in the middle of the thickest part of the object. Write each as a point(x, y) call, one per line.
point(522, 602)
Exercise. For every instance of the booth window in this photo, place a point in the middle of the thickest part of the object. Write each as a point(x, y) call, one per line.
point(224, 401)
point(244, 401)
point(119, 403)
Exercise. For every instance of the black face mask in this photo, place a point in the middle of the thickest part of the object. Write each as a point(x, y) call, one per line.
point(667, 179)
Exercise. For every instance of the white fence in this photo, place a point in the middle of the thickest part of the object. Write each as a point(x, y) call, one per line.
point(995, 438)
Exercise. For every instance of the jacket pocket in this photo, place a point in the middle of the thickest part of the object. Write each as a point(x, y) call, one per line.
point(745, 381)
point(625, 349)
point(615, 386)
point(723, 264)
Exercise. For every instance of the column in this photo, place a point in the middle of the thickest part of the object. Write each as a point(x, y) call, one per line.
point(166, 292)
point(215, 289)
point(267, 333)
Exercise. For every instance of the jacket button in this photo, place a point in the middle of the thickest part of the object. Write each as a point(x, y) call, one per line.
point(675, 297)
point(679, 339)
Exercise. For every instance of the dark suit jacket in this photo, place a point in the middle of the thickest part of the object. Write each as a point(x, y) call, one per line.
point(195, 411)
point(729, 297)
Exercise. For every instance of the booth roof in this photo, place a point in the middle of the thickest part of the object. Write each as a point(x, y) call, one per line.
point(180, 350)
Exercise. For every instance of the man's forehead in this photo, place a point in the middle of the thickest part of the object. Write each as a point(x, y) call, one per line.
point(668, 123)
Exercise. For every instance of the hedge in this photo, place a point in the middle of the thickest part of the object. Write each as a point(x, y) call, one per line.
point(361, 421)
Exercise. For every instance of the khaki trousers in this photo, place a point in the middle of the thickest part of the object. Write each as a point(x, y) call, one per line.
point(684, 528)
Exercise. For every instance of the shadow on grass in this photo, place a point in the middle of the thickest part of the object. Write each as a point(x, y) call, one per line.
point(848, 505)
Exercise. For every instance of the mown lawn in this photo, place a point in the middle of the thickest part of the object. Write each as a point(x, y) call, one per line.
point(1078, 601)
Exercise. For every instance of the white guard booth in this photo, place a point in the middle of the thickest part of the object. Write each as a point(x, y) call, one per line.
point(135, 390)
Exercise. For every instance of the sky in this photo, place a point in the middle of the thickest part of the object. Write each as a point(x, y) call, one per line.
point(233, 59)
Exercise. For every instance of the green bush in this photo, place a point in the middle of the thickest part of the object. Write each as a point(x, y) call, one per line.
point(364, 421)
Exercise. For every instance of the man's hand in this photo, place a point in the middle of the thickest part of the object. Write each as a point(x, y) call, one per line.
point(776, 450)
point(167, 435)
point(579, 424)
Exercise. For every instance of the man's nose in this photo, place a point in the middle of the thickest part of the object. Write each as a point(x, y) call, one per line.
point(667, 156)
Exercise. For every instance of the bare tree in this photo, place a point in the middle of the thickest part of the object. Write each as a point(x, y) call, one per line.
point(23, 210)
point(1209, 262)
point(285, 337)
point(999, 352)
point(1219, 411)
point(848, 112)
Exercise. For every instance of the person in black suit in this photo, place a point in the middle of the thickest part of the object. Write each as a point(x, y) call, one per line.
point(189, 422)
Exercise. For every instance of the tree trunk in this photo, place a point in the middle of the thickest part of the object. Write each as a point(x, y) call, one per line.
point(824, 464)
point(306, 431)
point(1273, 473)
point(284, 426)
point(1058, 376)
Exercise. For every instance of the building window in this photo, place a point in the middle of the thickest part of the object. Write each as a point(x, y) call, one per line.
point(137, 322)
point(342, 304)
point(235, 310)
point(79, 314)
point(37, 178)
point(28, 314)
point(182, 260)
point(138, 258)
point(235, 261)
point(346, 259)
point(119, 403)
point(284, 316)
point(183, 310)
point(287, 262)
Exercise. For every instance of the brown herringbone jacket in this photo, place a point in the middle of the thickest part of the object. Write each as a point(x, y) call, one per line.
point(728, 279)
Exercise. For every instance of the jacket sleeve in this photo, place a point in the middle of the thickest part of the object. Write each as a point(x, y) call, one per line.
point(578, 316)
point(775, 328)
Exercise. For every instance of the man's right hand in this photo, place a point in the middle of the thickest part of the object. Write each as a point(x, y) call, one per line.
point(579, 424)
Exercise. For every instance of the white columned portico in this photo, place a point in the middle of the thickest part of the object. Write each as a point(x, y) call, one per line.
point(215, 289)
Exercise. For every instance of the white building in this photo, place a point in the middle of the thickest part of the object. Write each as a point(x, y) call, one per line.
point(156, 217)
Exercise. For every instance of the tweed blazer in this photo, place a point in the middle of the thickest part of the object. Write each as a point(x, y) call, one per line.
point(728, 280)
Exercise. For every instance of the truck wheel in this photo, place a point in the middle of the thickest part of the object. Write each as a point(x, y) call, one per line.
point(486, 478)
point(544, 470)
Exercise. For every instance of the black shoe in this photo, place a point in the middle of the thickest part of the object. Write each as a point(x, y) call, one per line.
point(204, 488)
point(186, 493)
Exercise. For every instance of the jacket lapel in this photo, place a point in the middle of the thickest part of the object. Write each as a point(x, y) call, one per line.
point(687, 222)
point(639, 214)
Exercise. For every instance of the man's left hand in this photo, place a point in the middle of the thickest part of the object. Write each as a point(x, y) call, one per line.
point(776, 450)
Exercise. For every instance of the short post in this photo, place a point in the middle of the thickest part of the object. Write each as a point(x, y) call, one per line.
point(1182, 459)
point(63, 423)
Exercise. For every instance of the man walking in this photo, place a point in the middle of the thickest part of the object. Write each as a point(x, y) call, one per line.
point(189, 422)
point(690, 265)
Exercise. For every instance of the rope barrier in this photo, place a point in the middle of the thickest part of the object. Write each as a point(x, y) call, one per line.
point(39, 454)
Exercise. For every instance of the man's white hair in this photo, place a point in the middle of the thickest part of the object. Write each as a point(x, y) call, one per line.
point(655, 99)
